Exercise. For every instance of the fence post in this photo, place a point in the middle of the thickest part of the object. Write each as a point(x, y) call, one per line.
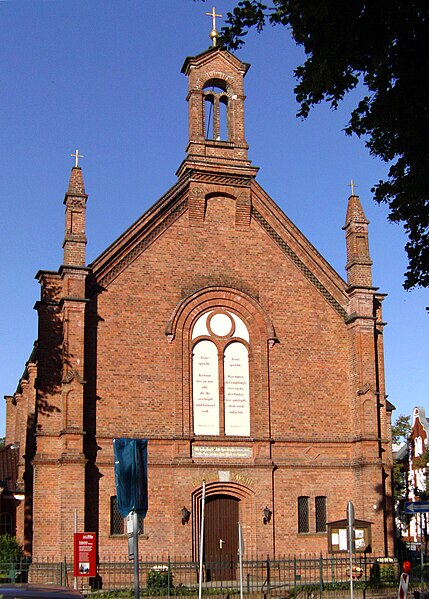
point(320, 575)
point(294, 575)
point(268, 574)
point(169, 577)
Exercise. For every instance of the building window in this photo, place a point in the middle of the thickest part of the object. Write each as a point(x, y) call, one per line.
point(320, 514)
point(5, 524)
point(418, 447)
point(117, 522)
point(220, 375)
point(303, 514)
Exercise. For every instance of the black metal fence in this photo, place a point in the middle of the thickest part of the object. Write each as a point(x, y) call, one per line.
point(170, 576)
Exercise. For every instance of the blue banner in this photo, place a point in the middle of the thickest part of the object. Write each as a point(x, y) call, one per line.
point(130, 456)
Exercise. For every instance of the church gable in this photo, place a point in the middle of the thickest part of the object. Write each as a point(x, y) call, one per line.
point(214, 209)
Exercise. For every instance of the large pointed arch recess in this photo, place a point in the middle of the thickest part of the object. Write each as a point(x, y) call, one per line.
point(262, 337)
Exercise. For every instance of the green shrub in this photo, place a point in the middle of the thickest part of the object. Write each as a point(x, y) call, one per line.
point(10, 553)
point(10, 550)
point(158, 578)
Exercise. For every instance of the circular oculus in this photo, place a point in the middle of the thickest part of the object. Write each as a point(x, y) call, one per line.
point(221, 324)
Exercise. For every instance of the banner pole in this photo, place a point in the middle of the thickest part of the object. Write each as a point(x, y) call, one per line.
point(350, 524)
point(75, 531)
point(240, 552)
point(200, 581)
point(136, 554)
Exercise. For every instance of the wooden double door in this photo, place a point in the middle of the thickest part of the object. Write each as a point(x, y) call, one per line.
point(221, 537)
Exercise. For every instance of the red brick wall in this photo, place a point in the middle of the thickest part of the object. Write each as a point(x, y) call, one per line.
point(307, 406)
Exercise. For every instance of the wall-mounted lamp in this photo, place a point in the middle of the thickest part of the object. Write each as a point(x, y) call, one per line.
point(186, 514)
point(267, 514)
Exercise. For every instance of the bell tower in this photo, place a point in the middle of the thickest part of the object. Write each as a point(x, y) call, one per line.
point(216, 114)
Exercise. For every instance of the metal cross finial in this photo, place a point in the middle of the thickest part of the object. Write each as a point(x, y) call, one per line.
point(77, 156)
point(352, 184)
point(213, 34)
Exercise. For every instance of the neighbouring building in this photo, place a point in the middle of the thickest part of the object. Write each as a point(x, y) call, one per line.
point(414, 456)
point(213, 328)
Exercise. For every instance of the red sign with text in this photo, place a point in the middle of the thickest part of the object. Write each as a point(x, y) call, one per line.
point(85, 554)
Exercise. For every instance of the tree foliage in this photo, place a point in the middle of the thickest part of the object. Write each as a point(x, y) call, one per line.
point(401, 429)
point(10, 550)
point(383, 44)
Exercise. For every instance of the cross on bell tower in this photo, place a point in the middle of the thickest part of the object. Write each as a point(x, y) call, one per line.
point(214, 34)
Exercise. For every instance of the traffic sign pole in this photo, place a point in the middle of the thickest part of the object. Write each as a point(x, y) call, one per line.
point(350, 524)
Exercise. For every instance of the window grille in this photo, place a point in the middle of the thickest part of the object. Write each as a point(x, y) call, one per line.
point(117, 522)
point(303, 514)
point(321, 514)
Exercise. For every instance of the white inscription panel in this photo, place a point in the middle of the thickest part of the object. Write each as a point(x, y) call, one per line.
point(237, 405)
point(221, 452)
point(205, 387)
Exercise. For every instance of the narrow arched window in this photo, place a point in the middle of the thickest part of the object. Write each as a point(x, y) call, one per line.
point(216, 110)
point(205, 384)
point(320, 505)
point(236, 386)
point(303, 514)
point(220, 375)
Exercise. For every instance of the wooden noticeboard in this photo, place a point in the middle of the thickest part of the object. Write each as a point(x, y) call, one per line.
point(337, 536)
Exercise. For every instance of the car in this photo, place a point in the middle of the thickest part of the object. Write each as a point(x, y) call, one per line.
point(38, 591)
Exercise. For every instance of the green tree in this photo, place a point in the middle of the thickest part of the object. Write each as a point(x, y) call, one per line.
point(383, 44)
point(401, 429)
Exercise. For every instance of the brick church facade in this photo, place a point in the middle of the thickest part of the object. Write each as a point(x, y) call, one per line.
point(213, 328)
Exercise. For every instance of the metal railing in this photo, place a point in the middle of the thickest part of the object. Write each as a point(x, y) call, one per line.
point(170, 576)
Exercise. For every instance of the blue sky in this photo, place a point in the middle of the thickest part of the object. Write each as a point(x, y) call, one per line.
point(104, 76)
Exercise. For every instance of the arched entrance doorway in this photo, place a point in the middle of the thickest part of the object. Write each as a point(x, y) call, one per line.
point(221, 537)
point(226, 505)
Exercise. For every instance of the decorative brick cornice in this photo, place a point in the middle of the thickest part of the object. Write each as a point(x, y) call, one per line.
point(298, 262)
point(221, 179)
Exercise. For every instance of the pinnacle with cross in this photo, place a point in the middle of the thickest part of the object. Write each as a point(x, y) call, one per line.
point(77, 156)
point(214, 33)
point(352, 185)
